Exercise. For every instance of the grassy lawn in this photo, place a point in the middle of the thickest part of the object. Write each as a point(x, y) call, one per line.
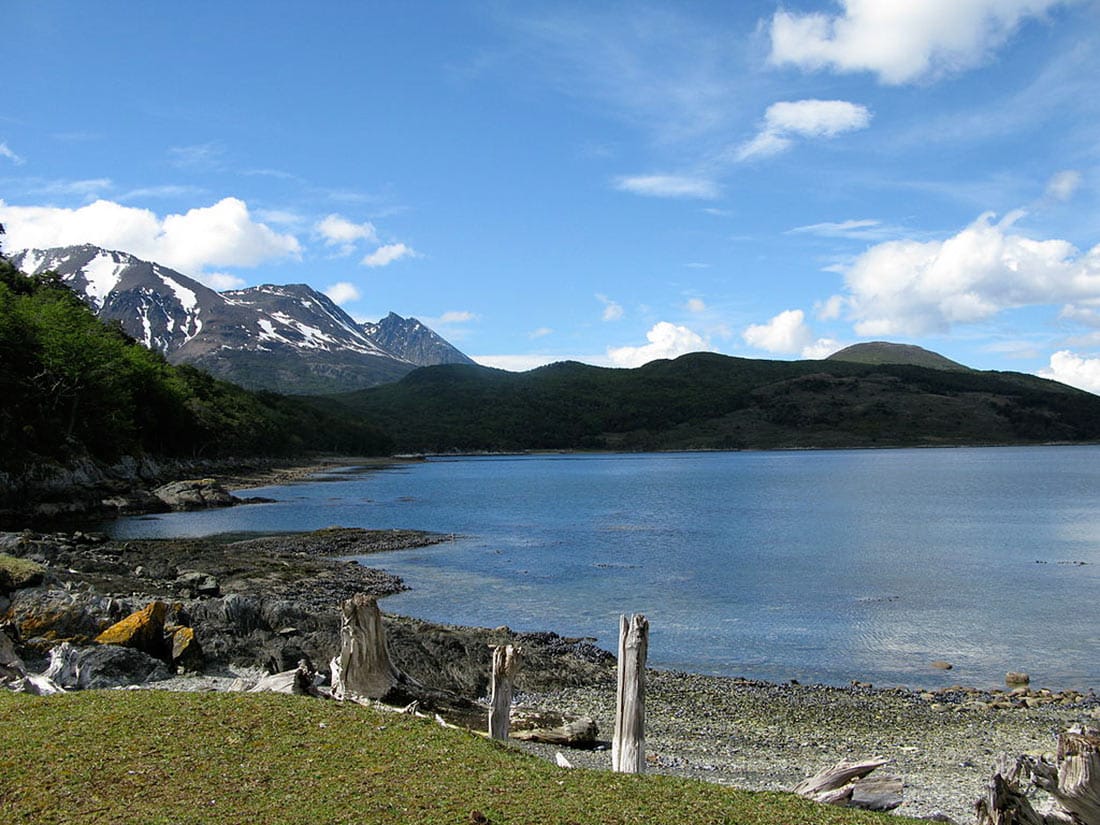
point(157, 757)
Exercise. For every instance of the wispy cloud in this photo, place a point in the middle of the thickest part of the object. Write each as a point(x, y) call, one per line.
point(669, 186)
point(197, 156)
point(612, 310)
point(165, 191)
point(865, 229)
point(5, 152)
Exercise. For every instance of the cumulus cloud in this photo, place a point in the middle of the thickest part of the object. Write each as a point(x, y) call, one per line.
point(668, 186)
point(666, 340)
point(696, 305)
point(5, 152)
point(1063, 185)
point(910, 288)
point(612, 310)
point(900, 42)
point(786, 333)
point(343, 292)
point(337, 230)
point(786, 120)
point(1075, 370)
point(387, 254)
point(223, 234)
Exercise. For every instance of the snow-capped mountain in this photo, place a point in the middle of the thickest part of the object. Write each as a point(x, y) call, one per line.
point(411, 340)
point(284, 338)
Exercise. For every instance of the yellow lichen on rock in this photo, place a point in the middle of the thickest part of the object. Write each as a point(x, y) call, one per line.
point(143, 630)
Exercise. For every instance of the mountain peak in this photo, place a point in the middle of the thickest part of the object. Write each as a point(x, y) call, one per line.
point(884, 352)
point(284, 337)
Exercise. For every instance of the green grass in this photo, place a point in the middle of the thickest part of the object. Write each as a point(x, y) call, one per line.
point(157, 757)
point(16, 571)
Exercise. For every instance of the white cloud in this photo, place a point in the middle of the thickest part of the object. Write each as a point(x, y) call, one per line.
point(385, 255)
point(223, 234)
point(222, 281)
point(541, 332)
point(530, 361)
point(910, 287)
point(899, 41)
point(1063, 185)
point(1075, 370)
point(668, 186)
point(788, 119)
point(666, 340)
point(5, 152)
point(197, 156)
point(343, 292)
point(337, 230)
point(696, 305)
point(456, 316)
point(821, 348)
point(612, 310)
point(829, 309)
point(786, 333)
point(865, 229)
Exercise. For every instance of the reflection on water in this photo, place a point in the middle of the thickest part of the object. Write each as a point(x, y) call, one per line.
point(818, 566)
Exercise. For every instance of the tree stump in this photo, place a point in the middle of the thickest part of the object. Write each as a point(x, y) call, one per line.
point(1073, 782)
point(505, 667)
point(628, 744)
point(365, 669)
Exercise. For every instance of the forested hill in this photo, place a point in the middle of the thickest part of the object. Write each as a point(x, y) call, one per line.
point(73, 388)
point(708, 401)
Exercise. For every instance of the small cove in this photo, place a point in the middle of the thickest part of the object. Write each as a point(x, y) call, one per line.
point(815, 566)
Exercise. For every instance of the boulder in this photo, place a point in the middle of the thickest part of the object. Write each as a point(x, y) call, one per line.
point(142, 630)
point(195, 494)
point(198, 584)
point(108, 666)
point(15, 574)
point(45, 616)
point(11, 665)
point(1016, 678)
point(186, 650)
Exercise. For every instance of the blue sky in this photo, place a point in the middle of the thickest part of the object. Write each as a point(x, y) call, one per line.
point(604, 182)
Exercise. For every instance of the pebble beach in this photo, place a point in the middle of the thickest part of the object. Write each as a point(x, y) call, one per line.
point(761, 736)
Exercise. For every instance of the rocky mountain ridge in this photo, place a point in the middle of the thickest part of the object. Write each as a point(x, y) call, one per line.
point(287, 338)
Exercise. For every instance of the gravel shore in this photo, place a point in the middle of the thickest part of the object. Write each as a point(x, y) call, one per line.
point(762, 736)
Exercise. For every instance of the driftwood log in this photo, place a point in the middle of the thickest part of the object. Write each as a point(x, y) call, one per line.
point(628, 744)
point(1072, 782)
point(849, 784)
point(504, 669)
point(553, 728)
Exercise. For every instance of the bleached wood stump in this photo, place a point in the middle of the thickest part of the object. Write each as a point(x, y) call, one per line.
point(1073, 782)
point(628, 743)
point(849, 784)
point(505, 666)
point(365, 669)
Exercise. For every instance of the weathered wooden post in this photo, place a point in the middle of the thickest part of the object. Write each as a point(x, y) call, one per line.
point(628, 744)
point(505, 667)
point(365, 668)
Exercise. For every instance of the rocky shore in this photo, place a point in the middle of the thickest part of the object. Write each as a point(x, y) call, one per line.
point(261, 603)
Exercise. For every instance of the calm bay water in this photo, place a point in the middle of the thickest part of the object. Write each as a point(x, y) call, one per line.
point(816, 566)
